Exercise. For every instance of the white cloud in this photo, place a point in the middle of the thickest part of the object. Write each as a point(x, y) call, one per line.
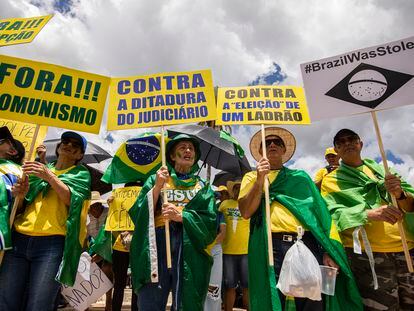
point(238, 40)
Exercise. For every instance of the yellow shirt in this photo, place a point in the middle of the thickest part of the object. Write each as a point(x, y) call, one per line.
point(237, 229)
point(320, 174)
point(118, 246)
point(282, 220)
point(46, 215)
point(179, 196)
point(382, 236)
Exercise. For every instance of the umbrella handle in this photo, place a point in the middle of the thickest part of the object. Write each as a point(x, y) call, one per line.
point(204, 163)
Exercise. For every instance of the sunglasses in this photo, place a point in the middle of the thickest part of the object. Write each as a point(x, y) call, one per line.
point(74, 143)
point(275, 141)
point(4, 140)
point(353, 139)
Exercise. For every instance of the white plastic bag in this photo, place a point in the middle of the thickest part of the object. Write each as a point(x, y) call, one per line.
point(300, 275)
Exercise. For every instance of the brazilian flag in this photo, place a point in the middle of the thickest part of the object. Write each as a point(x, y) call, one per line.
point(9, 174)
point(135, 160)
point(295, 190)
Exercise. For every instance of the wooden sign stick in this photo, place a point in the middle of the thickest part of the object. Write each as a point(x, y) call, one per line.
point(267, 201)
point(165, 200)
point(393, 199)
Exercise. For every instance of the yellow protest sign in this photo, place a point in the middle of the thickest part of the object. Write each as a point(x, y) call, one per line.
point(24, 133)
point(118, 218)
point(161, 99)
point(21, 30)
point(47, 94)
point(262, 105)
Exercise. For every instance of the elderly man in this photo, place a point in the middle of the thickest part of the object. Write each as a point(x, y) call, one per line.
point(358, 196)
point(191, 212)
point(295, 201)
point(46, 243)
point(333, 162)
point(9, 174)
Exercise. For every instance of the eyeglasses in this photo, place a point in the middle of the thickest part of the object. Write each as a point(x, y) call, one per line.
point(353, 139)
point(275, 141)
point(74, 143)
point(4, 140)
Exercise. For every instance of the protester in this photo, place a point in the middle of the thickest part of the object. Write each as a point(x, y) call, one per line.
point(295, 201)
point(9, 174)
point(235, 247)
point(358, 196)
point(213, 299)
point(191, 212)
point(46, 237)
point(97, 214)
point(333, 162)
point(20, 152)
point(120, 264)
point(224, 193)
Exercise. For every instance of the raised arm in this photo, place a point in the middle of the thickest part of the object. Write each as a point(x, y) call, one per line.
point(249, 203)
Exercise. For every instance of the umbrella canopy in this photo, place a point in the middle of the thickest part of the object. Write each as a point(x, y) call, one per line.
point(223, 177)
point(216, 151)
point(139, 157)
point(93, 153)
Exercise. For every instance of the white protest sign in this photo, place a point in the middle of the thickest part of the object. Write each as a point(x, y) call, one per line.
point(375, 78)
point(91, 283)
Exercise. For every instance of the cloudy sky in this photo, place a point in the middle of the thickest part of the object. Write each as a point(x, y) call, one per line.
point(242, 42)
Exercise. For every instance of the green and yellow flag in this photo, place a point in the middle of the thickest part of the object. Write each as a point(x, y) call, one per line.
point(348, 192)
point(9, 174)
point(295, 190)
point(136, 159)
point(78, 180)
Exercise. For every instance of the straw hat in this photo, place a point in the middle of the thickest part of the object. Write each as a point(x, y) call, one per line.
point(96, 198)
point(285, 135)
point(230, 185)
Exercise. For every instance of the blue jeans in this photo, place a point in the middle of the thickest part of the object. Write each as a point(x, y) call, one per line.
point(236, 269)
point(154, 296)
point(28, 271)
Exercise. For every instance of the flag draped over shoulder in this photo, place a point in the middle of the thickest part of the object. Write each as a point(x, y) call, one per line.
point(136, 159)
point(295, 190)
point(348, 192)
point(9, 174)
point(199, 230)
point(78, 180)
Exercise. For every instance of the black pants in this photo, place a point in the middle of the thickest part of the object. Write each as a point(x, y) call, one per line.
point(280, 247)
point(120, 263)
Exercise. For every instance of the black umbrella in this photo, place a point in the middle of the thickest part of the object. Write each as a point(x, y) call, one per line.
point(93, 155)
point(223, 177)
point(215, 151)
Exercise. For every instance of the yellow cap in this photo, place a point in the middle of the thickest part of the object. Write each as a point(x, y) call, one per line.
point(222, 188)
point(330, 151)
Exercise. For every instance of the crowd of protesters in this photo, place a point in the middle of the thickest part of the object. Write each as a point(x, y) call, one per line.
point(219, 238)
